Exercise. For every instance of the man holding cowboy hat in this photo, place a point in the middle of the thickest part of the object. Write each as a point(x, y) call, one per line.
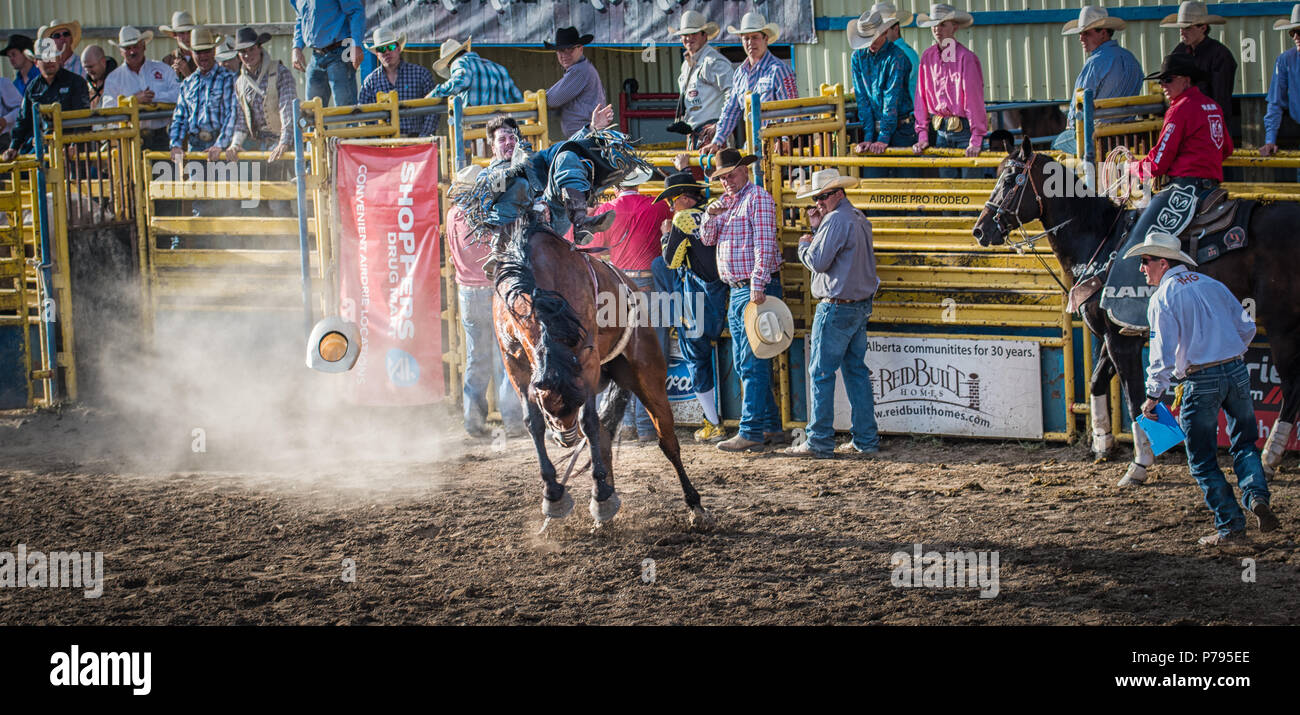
point(742, 224)
point(880, 70)
point(1199, 333)
point(1210, 56)
point(409, 80)
point(204, 117)
point(761, 72)
point(842, 260)
point(579, 92)
point(949, 105)
point(66, 36)
point(703, 83)
point(1109, 71)
point(335, 31)
point(55, 85)
point(475, 80)
point(148, 81)
point(182, 61)
point(1284, 90)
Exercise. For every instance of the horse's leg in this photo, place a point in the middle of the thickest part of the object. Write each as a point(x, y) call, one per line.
point(1126, 351)
point(604, 500)
point(556, 502)
point(1286, 360)
point(1103, 441)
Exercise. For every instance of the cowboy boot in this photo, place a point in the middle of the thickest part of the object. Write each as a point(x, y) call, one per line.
point(584, 227)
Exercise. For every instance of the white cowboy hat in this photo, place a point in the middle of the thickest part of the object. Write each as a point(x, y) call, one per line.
point(769, 326)
point(44, 51)
point(889, 9)
point(754, 22)
point(465, 179)
point(182, 21)
point(864, 30)
point(226, 51)
point(130, 37)
point(825, 180)
point(450, 48)
point(1294, 22)
point(940, 13)
point(1161, 245)
point(693, 22)
point(201, 38)
point(1092, 18)
point(71, 26)
point(1191, 13)
point(385, 36)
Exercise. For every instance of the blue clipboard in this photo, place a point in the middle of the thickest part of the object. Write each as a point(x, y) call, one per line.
point(1163, 432)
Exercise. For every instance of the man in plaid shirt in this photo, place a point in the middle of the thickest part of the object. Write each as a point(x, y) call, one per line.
point(761, 72)
point(204, 117)
point(411, 81)
point(477, 81)
point(742, 224)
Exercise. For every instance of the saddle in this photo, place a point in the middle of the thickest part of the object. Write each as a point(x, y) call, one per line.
point(1217, 228)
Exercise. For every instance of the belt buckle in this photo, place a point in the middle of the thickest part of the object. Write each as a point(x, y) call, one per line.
point(936, 121)
point(205, 136)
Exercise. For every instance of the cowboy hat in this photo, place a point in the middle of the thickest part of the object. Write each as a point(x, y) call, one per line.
point(450, 48)
point(729, 160)
point(1191, 13)
point(130, 37)
point(464, 180)
point(1176, 65)
point(566, 37)
point(72, 26)
point(681, 182)
point(940, 13)
point(769, 326)
point(182, 21)
point(201, 38)
point(18, 42)
point(639, 175)
point(246, 37)
point(44, 51)
point(889, 9)
point(754, 22)
point(1161, 245)
point(226, 51)
point(693, 22)
point(1092, 18)
point(865, 30)
point(383, 36)
point(1284, 23)
point(825, 180)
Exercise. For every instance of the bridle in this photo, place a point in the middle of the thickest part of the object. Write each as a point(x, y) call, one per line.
point(1025, 176)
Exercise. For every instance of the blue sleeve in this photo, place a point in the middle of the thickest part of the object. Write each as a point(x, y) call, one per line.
point(229, 104)
point(180, 120)
point(865, 115)
point(458, 83)
point(1277, 98)
point(297, 26)
point(826, 245)
point(895, 86)
point(355, 11)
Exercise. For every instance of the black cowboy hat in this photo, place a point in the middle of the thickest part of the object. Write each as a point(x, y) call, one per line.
point(19, 42)
point(1178, 65)
point(567, 37)
point(729, 160)
point(682, 182)
point(247, 37)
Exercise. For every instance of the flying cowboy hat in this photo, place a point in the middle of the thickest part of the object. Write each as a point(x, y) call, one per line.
point(382, 37)
point(130, 37)
point(1176, 65)
point(754, 22)
point(201, 38)
point(464, 179)
point(889, 9)
point(226, 51)
point(1191, 13)
point(693, 22)
point(1092, 18)
point(182, 21)
point(940, 13)
point(450, 48)
point(681, 182)
point(825, 180)
point(44, 51)
point(865, 30)
point(1292, 23)
point(729, 160)
point(73, 26)
point(246, 37)
point(769, 326)
point(1161, 245)
point(566, 37)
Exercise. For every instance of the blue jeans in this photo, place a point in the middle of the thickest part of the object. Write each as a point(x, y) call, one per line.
point(568, 171)
point(483, 362)
point(904, 136)
point(839, 342)
point(695, 333)
point(758, 413)
point(1205, 392)
point(953, 140)
point(636, 415)
point(328, 75)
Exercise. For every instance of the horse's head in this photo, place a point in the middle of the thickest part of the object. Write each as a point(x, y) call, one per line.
point(556, 385)
point(1016, 198)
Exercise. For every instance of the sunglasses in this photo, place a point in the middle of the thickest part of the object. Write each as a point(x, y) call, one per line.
point(386, 48)
point(1167, 80)
point(62, 34)
point(824, 195)
point(1149, 259)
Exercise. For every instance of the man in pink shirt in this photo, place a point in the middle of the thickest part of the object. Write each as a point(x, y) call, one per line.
point(949, 104)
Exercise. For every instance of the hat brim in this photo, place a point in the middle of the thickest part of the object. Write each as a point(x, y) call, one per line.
point(262, 39)
point(146, 36)
point(1143, 249)
point(401, 44)
point(710, 30)
point(770, 29)
point(765, 350)
point(843, 182)
point(673, 192)
point(582, 41)
point(857, 40)
point(1105, 23)
point(1193, 73)
point(34, 58)
point(216, 42)
point(1171, 22)
point(744, 161)
point(443, 62)
point(963, 19)
point(1285, 24)
point(73, 26)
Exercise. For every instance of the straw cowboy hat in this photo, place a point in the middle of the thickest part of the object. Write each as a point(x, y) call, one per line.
point(73, 26)
point(450, 48)
point(130, 37)
point(1292, 23)
point(226, 51)
point(754, 22)
point(693, 22)
point(1092, 18)
point(1161, 245)
point(889, 9)
point(940, 13)
point(182, 21)
point(566, 37)
point(201, 38)
point(1191, 13)
point(729, 160)
point(825, 180)
point(681, 182)
point(383, 36)
point(769, 327)
point(246, 37)
point(864, 31)
point(44, 51)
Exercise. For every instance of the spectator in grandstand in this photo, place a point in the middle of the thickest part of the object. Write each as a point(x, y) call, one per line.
point(949, 103)
point(409, 80)
point(842, 260)
point(760, 72)
point(888, 10)
point(98, 66)
point(204, 117)
point(334, 31)
point(475, 80)
point(1109, 71)
point(1280, 121)
point(148, 81)
point(1199, 333)
point(24, 69)
point(228, 57)
point(262, 82)
point(579, 91)
point(54, 85)
point(180, 60)
point(703, 83)
point(880, 71)
point(1211, 56)
point(66, 35)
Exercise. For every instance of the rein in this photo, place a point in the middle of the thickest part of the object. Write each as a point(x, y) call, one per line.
point(1027, 241)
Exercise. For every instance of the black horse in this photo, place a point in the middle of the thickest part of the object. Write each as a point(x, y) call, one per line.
point(1264, 270)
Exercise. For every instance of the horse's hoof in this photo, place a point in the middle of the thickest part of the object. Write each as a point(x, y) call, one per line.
point(702, 520)
point(558, 509)
point(603, 511)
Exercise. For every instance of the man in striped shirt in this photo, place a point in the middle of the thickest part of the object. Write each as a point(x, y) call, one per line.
point(761, 72)
point(411, 81)
point(204, 117)
point(475, 80)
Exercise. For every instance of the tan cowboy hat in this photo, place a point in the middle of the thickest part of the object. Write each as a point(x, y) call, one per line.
point(1191, 13)
point(450, 48)
point(130, 37)
point(754, 22)
point(940, 13)
point(72, 26)
point(1292, 23)
point(1092, 18)
point(385, 36)
point(729, 160)
point(889, 9)
point(825, 180)
point(182, 21)
point(769, 326)
point(693, 22)
point(1161, 245)
point(864, 30)
point(201, 38)
point(464, 179)
point(44, 51)
point(226, 51)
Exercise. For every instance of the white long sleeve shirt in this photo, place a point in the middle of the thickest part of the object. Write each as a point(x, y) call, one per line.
point(1195, 320)
point(153, 75)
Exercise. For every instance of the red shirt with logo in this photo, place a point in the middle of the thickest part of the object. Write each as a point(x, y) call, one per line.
point(1193, 142)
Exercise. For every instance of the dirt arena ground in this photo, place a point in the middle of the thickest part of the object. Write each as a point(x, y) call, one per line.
point(233, 535)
